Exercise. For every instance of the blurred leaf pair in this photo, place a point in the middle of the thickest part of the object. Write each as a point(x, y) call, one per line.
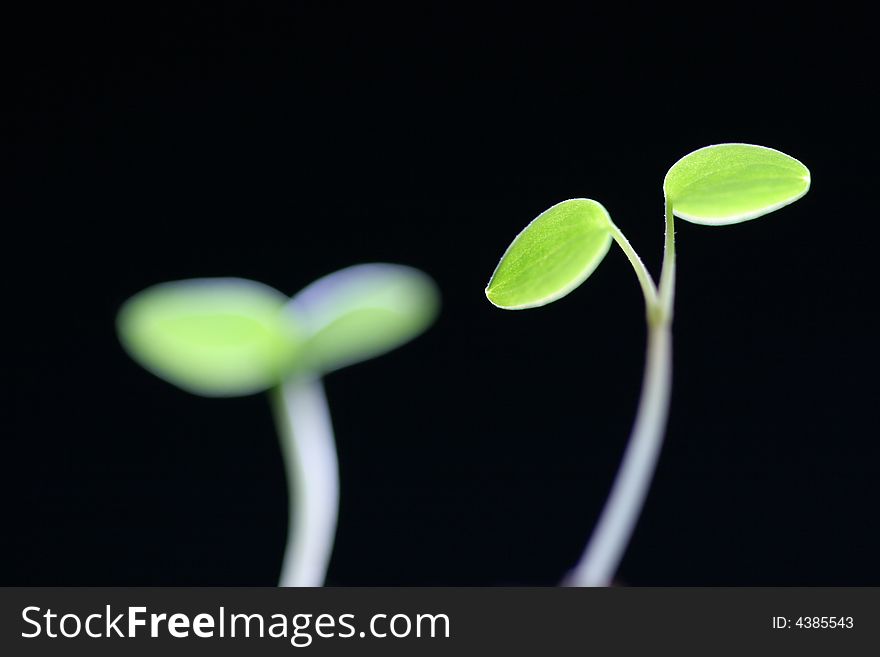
point(224, 337)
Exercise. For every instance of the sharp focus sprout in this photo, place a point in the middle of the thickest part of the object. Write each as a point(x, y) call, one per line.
point(555, 253)
point(225, 337)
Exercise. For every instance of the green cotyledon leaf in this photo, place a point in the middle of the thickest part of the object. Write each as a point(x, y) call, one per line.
point(217, 337)
point(554, 254)
point(730, 183)
point(363, 311)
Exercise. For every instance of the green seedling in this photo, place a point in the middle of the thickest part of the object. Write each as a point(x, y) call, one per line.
point(555, 253)
point(226, 337)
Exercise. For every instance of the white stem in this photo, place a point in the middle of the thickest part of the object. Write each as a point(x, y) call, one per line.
point(312, 472)
point(611, 536)
point(608, 543)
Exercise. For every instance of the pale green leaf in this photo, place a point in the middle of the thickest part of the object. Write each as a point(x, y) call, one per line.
point(730, 183)
point(211, 336)
point(554, 254)
point(363, 311)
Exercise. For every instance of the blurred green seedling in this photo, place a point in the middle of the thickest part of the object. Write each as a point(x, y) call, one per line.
point(226, 337)
point(555, 253)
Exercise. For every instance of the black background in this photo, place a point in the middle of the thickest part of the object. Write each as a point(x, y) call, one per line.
point(282, 141)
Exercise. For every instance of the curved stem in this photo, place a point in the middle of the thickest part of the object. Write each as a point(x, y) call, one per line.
point(645, 280)
point(611, 536)
point(667, 273)
point(312, 473)
point(608, 543)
